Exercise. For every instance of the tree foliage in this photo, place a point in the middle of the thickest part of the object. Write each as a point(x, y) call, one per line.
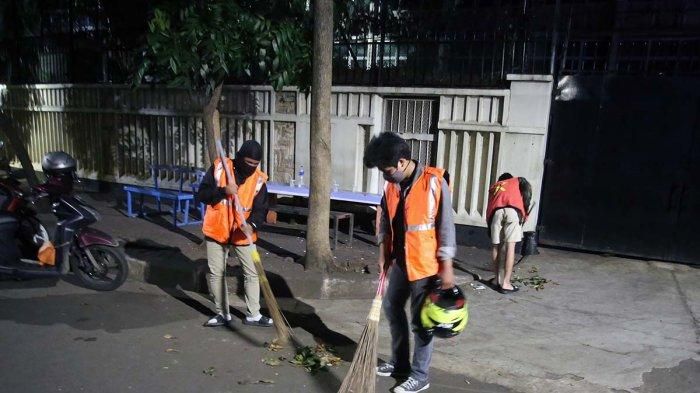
point(203, 44)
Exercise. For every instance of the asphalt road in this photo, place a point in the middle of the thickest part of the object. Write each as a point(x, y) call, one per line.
point(58, 337)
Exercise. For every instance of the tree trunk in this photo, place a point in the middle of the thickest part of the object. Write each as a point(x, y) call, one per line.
point(318, 250)
point(212, 125)
point(19, 148)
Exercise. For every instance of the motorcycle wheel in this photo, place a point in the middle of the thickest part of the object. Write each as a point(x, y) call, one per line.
point(112, 268)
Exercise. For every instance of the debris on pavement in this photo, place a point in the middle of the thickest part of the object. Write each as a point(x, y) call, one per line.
point(209, 371)
point(315, 359)
point(535, 281)
point(272, 362)
point(171, 350)
point(477, 286)
point(273, 346)
point(169, 337)
point(258, 382)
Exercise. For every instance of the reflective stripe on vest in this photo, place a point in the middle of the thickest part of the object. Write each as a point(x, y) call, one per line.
point(421, 206)
point(420, 227)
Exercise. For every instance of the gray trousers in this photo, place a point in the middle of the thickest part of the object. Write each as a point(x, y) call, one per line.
point(397, 294)
point(217, 255)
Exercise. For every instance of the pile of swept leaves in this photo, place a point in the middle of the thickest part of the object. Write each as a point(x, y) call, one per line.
point(535, 281)
point(317, 358)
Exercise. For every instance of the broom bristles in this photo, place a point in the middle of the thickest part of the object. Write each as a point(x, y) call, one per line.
point(361, 378)
point(282, 327)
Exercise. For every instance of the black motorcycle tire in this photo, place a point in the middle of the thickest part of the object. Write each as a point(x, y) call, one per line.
point(88, 279)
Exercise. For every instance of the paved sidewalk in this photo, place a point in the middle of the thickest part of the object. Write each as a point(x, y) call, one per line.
point(608, 324)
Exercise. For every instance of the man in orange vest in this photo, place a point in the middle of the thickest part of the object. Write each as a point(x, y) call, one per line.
point(417, 243)
point(505, 216)
point(223, 228)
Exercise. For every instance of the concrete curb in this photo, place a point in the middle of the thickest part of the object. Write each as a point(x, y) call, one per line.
point(308, 285)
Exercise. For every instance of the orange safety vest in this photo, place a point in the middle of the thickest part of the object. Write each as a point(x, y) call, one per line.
point(420, 211)
point(219, 220)
point(505, 193)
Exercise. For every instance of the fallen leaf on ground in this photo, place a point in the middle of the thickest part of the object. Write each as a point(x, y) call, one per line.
point(271, 361)
point(172, 350)
point(169, 337)
point(209, 371)
point(314, 359)
point(258, 382)
point(273, 346)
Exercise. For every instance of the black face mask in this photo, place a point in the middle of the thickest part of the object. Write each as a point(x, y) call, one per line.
point(243, 168)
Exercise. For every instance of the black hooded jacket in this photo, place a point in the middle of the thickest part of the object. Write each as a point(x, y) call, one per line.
point(211, 194)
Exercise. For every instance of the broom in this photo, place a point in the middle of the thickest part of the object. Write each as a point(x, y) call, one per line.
point(282, 328)
point(361, 377)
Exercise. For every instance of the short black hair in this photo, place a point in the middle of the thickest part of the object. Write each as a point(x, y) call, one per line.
point(505, 176)
point(386, 150)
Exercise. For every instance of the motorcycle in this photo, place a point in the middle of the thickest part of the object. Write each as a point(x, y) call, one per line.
point(27, 250)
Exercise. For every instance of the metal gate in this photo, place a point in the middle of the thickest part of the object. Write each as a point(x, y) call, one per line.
point(623, 167)
point(415, 120)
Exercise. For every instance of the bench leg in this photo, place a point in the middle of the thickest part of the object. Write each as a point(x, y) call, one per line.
point(176, 207)
point(187, 212)
point(352, 226)
point(141, 206)
point(335, 233)
point(129, 212)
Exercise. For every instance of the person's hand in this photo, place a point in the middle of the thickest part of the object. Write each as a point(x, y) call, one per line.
point(447, 274)
point(247, 229)
point(231, 189)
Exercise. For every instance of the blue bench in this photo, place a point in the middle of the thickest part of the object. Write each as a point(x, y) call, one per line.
point(182, 201)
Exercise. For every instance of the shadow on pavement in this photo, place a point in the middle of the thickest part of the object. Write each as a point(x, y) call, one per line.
point(172, 271)
point(89, 311)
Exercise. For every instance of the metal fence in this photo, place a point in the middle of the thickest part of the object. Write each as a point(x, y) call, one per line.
point(434, 43)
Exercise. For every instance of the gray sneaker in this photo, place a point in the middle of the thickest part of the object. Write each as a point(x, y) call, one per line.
point(411, 386)
point(388, 370)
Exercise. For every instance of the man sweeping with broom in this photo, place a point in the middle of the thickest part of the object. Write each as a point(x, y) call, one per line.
point(417, 243)
point(223, 229)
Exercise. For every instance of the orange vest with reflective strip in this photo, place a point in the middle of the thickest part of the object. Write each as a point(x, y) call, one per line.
point(420, 211)
point(505, 193)
point(219, 220)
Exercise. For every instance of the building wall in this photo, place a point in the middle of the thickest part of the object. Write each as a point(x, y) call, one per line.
point(116, 132)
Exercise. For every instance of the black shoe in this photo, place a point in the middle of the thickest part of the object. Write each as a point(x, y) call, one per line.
point(218, 320)
point(263, 321)
point(507, 291)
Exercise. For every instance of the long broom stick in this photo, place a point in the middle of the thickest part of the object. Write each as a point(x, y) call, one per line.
point(282, 327)
point(361, 378)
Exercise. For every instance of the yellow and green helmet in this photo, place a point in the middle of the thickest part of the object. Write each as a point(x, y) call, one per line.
point(444, 313)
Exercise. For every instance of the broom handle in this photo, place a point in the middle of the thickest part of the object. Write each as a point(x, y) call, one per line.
point(229, 177)
point(382, 280)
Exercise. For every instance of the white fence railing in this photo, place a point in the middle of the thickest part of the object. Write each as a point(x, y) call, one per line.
point(116, 132)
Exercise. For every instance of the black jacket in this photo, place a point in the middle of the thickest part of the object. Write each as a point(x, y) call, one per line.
point(211, 194)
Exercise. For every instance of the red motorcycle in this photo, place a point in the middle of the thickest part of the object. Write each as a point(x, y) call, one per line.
point(27, 250)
